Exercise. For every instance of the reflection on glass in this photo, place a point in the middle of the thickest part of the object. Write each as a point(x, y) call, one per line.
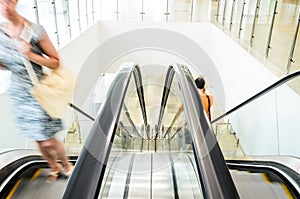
point(132, 131)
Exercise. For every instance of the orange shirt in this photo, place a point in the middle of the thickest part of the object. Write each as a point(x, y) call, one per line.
point(205, 103)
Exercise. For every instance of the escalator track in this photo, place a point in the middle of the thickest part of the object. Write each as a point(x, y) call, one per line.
point(27, 177)
point(99, 169)
point(167, 175)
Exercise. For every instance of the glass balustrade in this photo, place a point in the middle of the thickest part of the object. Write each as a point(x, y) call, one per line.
point(267, 125)
point(268, 29)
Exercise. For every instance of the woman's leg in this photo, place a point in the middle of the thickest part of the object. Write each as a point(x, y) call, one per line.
point(61, 155)
point(54, 150)
point(47, 150)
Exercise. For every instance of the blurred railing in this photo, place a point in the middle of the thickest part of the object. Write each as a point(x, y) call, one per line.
point(62, 19)
point(268, 29)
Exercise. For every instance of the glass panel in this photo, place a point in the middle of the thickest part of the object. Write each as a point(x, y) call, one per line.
point(249, 13)
point(73, 17)
point(262, 27)
point(268, 125)
point(89, 12)
point(295, 66)
point(283, 35)
point(228, 13)
point(180, 11)
point(214, 11)
point(109, 9)
point(174, 127)
point(83, 10)
point(81, 17)
point(130, 10)
point(220, 11)
point(235, 17)
point(62, 19)
point(201, 11)
point(134, 135)
point(47, 19)
point(129, 130)
point(97, 9)
point(154, 10)
point(227, 5)
point(43, 10)
point(75, 14)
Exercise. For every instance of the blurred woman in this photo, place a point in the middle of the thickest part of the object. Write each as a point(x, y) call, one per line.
point(32, 121)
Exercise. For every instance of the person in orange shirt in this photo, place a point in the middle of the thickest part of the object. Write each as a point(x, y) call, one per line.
point(206, 98)
point(207, 101)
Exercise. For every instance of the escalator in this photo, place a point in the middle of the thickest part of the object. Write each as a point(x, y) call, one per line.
point(120, 161)
point(25, 175)
point(154, 175)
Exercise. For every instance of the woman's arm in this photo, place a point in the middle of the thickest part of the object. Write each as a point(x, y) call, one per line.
point(51, 60)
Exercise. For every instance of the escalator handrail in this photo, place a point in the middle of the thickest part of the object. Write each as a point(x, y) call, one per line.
point(288, 175)
point(166, 91)
point(140, 91)
point(86, 179)
point(81, 111)
point(213, 173)
point(259, 94)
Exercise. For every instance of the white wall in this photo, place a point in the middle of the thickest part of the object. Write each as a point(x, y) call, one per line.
point(233, 74)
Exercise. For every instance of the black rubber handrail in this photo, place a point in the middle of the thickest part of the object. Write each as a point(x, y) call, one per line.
point(168, 82)
point(290, 177)
point(263, 92)
point(86, 179)
point(140, 92)
point(81, 111)
point(128, 178)
point(174, 178)
point(165, 95)
point(216, 181)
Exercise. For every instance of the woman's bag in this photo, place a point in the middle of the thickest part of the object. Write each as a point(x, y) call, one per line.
point(55, 90)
